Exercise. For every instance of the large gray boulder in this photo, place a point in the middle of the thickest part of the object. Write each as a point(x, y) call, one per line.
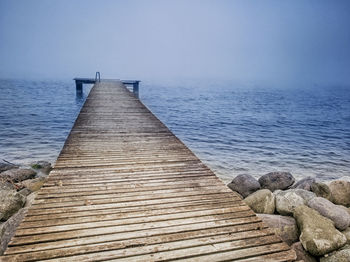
point(244, 185)
point(304, 183)
point(262, 201)
point(336, 213)
point(342, 255)
point(346, 233)
point(318, 234)
point(276, 180)
point(321, 190)
point(8, 229)
point(18, 175)
point(287, 201)
point(302, 254)
point(340, 190)
point(33, 184)
point(283, 226)
point(6, 185)
point(5, 167)
point(10, 203)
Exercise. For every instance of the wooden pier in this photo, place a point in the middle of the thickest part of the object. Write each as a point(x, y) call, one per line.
point(124, 188)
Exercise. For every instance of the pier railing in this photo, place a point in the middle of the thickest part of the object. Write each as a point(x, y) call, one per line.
point(80, 81)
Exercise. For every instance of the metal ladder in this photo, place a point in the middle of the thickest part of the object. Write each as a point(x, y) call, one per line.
point(97, 76)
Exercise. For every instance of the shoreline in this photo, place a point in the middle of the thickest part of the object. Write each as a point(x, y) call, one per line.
point(282, 202)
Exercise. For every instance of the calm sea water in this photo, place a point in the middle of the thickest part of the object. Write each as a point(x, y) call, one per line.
point(233, 129)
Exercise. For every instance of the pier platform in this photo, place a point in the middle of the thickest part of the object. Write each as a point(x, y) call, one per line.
point(124, 188)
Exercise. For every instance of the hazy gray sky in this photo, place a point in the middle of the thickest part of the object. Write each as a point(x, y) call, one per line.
point(289, 41)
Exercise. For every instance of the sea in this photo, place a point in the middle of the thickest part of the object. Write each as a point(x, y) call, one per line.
point(233, 128)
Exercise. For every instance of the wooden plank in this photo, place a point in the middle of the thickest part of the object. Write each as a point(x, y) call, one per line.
point(125, 188)
point(175, 206)
point(149, 214)
point(219, 214)
point(243, 248)
point(120, 251)
point(218, 219)
point(156, 235)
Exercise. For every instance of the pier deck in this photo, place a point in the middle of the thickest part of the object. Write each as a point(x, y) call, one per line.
point(125, 188)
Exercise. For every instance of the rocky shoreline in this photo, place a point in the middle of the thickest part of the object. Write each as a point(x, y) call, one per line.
point(311, 216)
point(18, 186)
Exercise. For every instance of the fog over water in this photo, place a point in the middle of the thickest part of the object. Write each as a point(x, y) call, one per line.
point(250, 86)
point(260, 42)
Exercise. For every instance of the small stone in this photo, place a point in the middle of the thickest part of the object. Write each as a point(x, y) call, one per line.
point(283, 226)
point(321, 190)
point(11, 202)
point(276, 180)
point(302, 254)
point(336, 213)
point(262, 201)
point(33, 184)
point(318, 234)
point(244, 185)
point(340, 190)
point(342, 255)
point(18, 175)
point(287, 201)
point(304, 183)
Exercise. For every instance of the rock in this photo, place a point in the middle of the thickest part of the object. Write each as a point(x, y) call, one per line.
point(346, 233)
point(326, 208)
point(30, 199)
point(244, 185)
point(321, 190)
point(305, 183)
point(340, 190)
point(287, 201)
point(302, 254)
point(345, 178)
point(9, 227)
point(318, 234)
point(33, 184)
point(262, 201)
point(342, 255)
point(11, 202)
point(276, 180)
point(42, 166)
point(345, 208)
point(6, 185)
point(5, 167)
point(25, 192)
point(283, 226)
point(18, 175)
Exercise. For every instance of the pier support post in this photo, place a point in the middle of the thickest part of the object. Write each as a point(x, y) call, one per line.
point(136, 89)
point(79, 87)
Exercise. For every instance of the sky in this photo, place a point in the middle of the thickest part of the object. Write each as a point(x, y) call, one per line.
point(290, 41)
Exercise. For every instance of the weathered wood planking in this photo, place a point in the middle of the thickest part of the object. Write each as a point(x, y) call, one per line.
point(124, 188)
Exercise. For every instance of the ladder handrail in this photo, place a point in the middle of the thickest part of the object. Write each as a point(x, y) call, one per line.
point(99, 77)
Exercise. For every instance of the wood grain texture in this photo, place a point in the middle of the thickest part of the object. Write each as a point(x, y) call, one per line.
point(124, 188)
